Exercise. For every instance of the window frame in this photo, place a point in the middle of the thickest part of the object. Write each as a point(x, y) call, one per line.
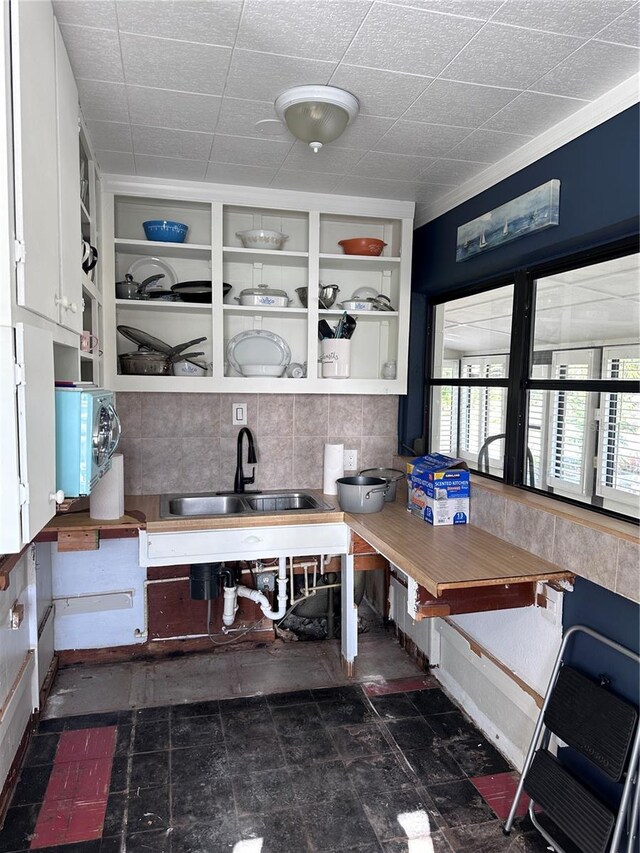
point(520, 359)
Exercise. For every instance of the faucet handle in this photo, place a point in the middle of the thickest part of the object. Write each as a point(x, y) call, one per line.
point(252, 478)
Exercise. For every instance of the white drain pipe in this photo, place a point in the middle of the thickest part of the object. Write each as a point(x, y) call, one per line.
point(232, 593)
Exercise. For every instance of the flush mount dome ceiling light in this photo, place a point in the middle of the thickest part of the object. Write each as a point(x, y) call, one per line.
point(316, 114)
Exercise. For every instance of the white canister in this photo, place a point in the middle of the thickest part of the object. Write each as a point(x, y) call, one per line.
point(335, 356)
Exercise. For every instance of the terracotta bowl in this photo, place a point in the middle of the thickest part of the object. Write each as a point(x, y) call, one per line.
point(362, 246)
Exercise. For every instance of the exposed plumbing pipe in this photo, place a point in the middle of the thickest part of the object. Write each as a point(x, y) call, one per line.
point(231, 593)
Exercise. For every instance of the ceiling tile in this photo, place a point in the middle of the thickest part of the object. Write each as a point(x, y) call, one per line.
point(591, 71)
point(488, 146)
point(318, 182)
point(421, 139)
point(110, 135)
point(531, 113)
point(87, 13)
point(339, 161)
point(94, 54)
point(103, 101)
point(381, 93)
point(482, 9)
point(452, 172)
point(352, 185)
point(461, 104)
point(314, 29)
point(238, 118)
point(229, 173)
point(263, 76)
point(509, 56)
point(116, 162)
point(167, 167)
point(430, 192)
point(404, 39)
point(182, 110)
point(252, 152)
point(176, 65)
point(625, 29)
point(571, 17)
point(208, 23)
point(395, 167)
point(364, 132)
point(164, 142)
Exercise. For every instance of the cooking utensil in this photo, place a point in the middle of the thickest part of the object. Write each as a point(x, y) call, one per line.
point(263, 295)
point(324, 330)
point(392, 477)
point(186, 367)
point(326, 295)
point(361, 494)
point(129, 289)
point(261, 238)
point(362, 246)
point(364, 293)
point(356, 305)
point(349, 326)
point(165, 230)
point(144, 364)
point(381, 303)
point(193, 291)
point(148, 342)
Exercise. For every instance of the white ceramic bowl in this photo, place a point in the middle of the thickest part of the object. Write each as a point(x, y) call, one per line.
point(263, 369)
point(356, 305)
point(364, 293)
point(262, 238)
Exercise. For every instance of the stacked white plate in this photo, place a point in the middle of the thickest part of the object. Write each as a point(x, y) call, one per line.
point(258, 352)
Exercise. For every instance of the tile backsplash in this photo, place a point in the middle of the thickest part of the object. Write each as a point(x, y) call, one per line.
point(186, 442)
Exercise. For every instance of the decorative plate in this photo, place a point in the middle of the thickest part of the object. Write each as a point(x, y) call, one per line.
point(258, 347)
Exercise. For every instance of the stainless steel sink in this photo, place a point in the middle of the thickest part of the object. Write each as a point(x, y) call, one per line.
point(285, 502)
point(212, 504)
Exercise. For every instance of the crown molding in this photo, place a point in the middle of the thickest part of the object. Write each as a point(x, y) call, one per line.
point(605, 107)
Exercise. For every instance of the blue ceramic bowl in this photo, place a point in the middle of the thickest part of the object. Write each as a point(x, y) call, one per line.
point(165, 230)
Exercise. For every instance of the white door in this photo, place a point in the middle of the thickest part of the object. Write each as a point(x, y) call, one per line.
point(69, 189)
point(36, 427)
point(35, 154)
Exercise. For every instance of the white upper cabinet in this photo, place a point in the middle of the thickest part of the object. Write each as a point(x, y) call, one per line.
point(70, 289)
point(36, 155)
point(309, 258)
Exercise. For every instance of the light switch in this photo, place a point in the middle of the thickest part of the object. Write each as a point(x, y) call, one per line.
point(239, 414)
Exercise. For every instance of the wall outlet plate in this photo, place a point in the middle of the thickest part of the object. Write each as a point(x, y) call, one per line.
point(265, 581)
point(350, 460)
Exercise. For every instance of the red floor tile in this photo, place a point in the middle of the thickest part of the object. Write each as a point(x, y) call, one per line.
point(86, 743)
point(498, 792)
point(75, 801)
point(381, 687)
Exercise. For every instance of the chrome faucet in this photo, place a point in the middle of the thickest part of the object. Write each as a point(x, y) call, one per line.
point(240, 480)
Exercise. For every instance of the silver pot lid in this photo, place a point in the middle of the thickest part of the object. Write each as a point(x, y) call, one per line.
point(391, 474)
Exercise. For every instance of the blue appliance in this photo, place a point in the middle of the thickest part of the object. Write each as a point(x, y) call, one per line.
point(87, 435)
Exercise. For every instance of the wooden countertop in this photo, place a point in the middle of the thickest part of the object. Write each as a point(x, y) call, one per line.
point(438, 558)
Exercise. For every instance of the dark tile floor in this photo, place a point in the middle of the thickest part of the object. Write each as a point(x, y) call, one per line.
point(327, 770)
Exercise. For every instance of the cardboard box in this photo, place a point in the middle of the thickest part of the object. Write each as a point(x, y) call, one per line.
point(439, 489)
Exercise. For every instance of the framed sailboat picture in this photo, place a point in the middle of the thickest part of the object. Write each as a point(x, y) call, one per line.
point(526, 214)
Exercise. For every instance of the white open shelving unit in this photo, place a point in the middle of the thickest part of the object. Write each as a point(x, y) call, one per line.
point(314, 224)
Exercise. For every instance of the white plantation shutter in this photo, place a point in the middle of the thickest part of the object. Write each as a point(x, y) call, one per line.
point(571, 437)
point(537, 425)
point(447, 438)
point(619, 453)
point(483, 410)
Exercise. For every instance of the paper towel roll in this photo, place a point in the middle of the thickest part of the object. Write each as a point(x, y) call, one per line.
point(106, 501)
point(333, 467)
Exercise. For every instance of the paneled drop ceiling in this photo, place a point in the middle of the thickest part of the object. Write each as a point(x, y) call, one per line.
point(174, 88)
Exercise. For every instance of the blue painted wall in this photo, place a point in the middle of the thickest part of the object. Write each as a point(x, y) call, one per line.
point(599, 203)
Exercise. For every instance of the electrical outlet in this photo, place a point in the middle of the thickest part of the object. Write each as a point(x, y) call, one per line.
point(350, 460)
point(265, 581)
point(239, 414)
